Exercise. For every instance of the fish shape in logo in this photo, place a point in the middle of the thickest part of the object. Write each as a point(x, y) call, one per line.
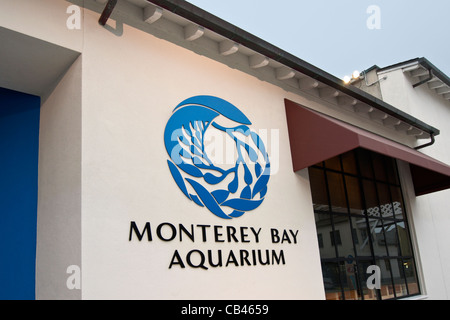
point(228, 192)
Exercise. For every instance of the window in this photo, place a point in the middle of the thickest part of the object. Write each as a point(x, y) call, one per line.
point(358, 202)
point(335, 237)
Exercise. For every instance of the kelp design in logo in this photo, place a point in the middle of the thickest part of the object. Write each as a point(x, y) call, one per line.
point(227, 191)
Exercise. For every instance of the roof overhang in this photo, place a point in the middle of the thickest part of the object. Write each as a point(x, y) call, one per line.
point(425, 73)
point(308, 77)
point(315, 137)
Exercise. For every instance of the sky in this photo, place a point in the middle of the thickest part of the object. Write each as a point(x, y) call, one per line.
point(340, 36)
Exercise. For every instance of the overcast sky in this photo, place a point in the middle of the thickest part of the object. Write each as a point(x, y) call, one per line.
point(340, 36)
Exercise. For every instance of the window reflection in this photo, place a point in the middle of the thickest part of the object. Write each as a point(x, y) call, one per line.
point(361, 236)
point(361, 221)
point(324, 227)
point(349, 163)
point(377, 231)
point(354, 195)
point(331, 280)
point(410, 273)
point(379, 166)
point(366, 293)
point(318, 189)
point(365, 165)
point(397, 202)
point(405, 244)
point(337, 193)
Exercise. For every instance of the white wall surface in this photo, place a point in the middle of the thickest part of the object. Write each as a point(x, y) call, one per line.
point(127, 84)
point(429, 213)
point(131, 84)
point(43, 19)
point(59, 195)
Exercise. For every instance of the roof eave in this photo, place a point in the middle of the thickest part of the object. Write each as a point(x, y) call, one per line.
point(234, 33)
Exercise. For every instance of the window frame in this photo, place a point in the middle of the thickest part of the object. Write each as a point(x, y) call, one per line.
point(392, 222)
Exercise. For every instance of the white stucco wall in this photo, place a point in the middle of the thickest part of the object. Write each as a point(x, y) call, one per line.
point(128, 97)
point(116, 100)
point(43, 19)
point(430, 213)
point(58, 243)
point(59, 194)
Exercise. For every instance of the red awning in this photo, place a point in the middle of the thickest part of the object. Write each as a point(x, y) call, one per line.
point(315, 137)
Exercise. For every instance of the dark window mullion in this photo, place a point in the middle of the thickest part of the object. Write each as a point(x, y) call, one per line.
point(355, 253)
point(377, 197)
point(364, 203)
point(333, 229)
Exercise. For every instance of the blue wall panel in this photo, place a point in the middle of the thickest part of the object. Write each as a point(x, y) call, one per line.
point(19, 147)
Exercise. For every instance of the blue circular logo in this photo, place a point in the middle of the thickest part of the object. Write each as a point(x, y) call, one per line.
point(226, 189)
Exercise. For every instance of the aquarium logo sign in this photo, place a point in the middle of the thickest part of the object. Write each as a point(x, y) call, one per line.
point(215, 158)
